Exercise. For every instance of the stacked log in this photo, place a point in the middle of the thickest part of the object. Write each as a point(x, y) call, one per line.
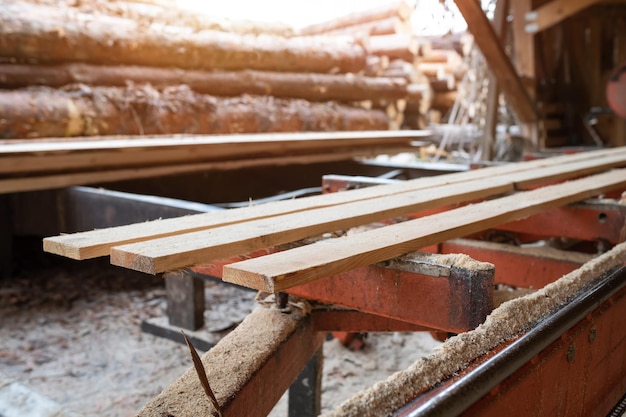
point(391, 49)
point(444, 66)
point(121, 68)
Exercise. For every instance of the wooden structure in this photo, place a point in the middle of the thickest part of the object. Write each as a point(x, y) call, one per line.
point(57, 162)
point(563, 55)
point(251, 246)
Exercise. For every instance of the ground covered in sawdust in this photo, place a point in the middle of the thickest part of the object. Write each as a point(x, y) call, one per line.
point(71, 332)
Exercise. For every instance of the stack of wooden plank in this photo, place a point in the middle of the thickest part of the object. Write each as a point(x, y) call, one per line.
point(176, 243)
point(105, 68)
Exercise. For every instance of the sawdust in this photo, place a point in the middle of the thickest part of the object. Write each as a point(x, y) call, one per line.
point(228, 365)
point(503, 323)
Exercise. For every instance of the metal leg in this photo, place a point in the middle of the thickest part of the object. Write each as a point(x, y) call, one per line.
point(305, 393)
point(185, 299)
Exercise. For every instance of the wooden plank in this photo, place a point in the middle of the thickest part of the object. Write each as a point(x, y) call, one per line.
point(178, 251)
point(55, 180)
point(80, 153)
point(497, 59)
point(555, 12)
point(288, 269)
point(98, 242)
point(159, 255)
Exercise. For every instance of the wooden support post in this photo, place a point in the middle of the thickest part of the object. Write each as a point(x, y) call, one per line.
point(305, 393)
point(493, 94)
point(487, 40)
point(554, 12)
point(185, 299)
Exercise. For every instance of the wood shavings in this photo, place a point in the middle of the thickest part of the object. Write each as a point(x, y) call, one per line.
point(505, 322)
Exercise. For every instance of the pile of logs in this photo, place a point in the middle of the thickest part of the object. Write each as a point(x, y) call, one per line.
point(112, 68)
point(133, 68)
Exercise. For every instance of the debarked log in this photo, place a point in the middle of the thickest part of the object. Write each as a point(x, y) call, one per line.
point(136, 110)
point(399, 9)
point(51, 35)
point(310, 86)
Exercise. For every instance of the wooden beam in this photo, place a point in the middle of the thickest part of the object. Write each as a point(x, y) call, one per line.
point(493, 92)
point(57, 180)
point(178, 251)
point(99, 242)
point(499, 63)
point(555, 12)
point(283, 270)
point(523, 42)
point(267, 346)
point(159, 255)
point(50, 155)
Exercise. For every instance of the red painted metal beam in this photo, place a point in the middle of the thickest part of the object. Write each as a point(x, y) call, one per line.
point(582, 221)
point(455, 304)
point(532, 268)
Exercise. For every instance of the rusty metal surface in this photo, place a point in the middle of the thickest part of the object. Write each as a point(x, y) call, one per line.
point(571, 364)
point(593, 220)
point(455, 303)
point(514, 266)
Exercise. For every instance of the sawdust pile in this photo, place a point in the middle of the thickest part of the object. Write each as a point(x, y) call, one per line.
point(228, 365)
point(505, 322)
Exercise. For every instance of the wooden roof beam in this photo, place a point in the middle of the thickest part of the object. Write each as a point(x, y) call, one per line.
point(499, 63)
point(555, 12)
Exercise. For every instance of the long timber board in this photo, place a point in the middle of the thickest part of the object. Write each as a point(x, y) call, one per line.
point(283, 270)
point(96, 243)
point(76, 154)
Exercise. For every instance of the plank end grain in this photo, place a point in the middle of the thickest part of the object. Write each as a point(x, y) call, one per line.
point(132, 260)
point(68, 246)
point(248, 279)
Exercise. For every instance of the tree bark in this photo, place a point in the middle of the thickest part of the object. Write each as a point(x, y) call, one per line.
point(51, 35)
point(309, 86)
point(138, 110)
point(167, 13)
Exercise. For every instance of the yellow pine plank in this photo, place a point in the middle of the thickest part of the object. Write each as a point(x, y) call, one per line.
point(298, 266)
point(178, 251)
point(96, 243)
